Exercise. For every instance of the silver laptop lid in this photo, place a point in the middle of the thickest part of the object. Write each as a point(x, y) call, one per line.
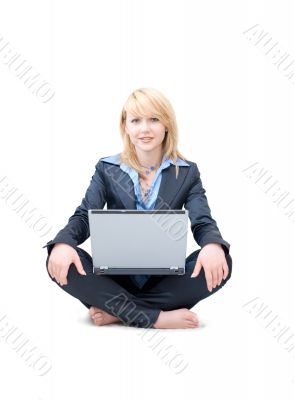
point(138, 241)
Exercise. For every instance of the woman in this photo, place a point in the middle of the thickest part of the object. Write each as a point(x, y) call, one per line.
point(149, 173)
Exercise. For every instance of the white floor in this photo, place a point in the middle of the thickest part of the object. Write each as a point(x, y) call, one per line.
point(229, 356)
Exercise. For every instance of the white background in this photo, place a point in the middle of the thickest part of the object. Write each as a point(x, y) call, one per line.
point(234, 108)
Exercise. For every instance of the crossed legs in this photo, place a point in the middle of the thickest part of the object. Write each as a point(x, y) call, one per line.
point(164, 301)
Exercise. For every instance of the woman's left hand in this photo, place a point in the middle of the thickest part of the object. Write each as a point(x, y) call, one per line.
point(212, 258)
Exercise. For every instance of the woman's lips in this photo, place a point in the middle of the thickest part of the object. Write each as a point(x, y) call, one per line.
point(146, 140)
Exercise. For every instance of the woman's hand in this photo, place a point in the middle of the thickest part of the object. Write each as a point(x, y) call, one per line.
point(61, 257)
point(212, 258)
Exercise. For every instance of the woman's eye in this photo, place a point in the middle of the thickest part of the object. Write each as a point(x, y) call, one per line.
point(136, 119)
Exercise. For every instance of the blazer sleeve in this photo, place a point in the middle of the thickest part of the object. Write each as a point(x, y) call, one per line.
point(203, 226)
point(77, 229)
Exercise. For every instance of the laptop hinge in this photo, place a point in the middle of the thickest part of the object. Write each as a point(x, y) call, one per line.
point(177, 270)
point(105, 269)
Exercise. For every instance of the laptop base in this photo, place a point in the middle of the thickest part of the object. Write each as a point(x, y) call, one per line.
point(104, 270)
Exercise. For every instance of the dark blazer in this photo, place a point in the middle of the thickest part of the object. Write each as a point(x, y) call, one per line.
point(112, 186)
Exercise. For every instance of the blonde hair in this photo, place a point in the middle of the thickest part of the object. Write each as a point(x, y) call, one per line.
point(141, 103)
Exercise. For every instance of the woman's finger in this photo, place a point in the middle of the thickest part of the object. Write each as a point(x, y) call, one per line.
point(214, 277)
point(225, 269)
point(220, 275)
point(208, 276)
point(56, 273)
point(63, 275)
point(50, 268)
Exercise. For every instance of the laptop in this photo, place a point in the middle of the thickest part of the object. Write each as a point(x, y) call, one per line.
point(127, 242)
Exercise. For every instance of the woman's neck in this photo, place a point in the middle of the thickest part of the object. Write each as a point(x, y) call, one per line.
point(148, 159)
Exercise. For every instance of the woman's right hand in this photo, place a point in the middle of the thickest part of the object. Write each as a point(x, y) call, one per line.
point(61, 257)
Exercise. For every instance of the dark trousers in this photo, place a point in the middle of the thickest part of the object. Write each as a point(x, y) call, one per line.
point(119, 296)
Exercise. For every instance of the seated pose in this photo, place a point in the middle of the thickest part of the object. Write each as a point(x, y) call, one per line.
point(149, 173)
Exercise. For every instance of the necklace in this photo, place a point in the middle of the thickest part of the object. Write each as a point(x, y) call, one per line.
point(147, 190)
point(148, 171)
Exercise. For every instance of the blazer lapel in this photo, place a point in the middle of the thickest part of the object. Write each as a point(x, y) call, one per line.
point(124, 187)
point(170, 186)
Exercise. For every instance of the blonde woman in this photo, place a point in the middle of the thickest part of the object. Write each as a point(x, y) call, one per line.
point(149, 173)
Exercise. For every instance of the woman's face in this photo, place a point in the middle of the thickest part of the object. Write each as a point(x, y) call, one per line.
point(141, 127)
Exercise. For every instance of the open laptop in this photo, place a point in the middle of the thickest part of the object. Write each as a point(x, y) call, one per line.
point(127, 242)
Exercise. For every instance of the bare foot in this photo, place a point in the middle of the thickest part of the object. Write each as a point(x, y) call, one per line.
point(101, 317)
point(181, 318)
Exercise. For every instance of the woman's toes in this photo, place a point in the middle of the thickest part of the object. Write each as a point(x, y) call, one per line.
point(191, 317)
point(98, 315)
point(192, 325)
point(98, 321)
point(188, 314)
point(93, 310)
point(97, 312)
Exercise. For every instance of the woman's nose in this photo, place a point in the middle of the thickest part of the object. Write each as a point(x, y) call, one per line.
point(144, 125)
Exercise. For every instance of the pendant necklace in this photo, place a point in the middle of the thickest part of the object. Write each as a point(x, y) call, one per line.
point(147, 189)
